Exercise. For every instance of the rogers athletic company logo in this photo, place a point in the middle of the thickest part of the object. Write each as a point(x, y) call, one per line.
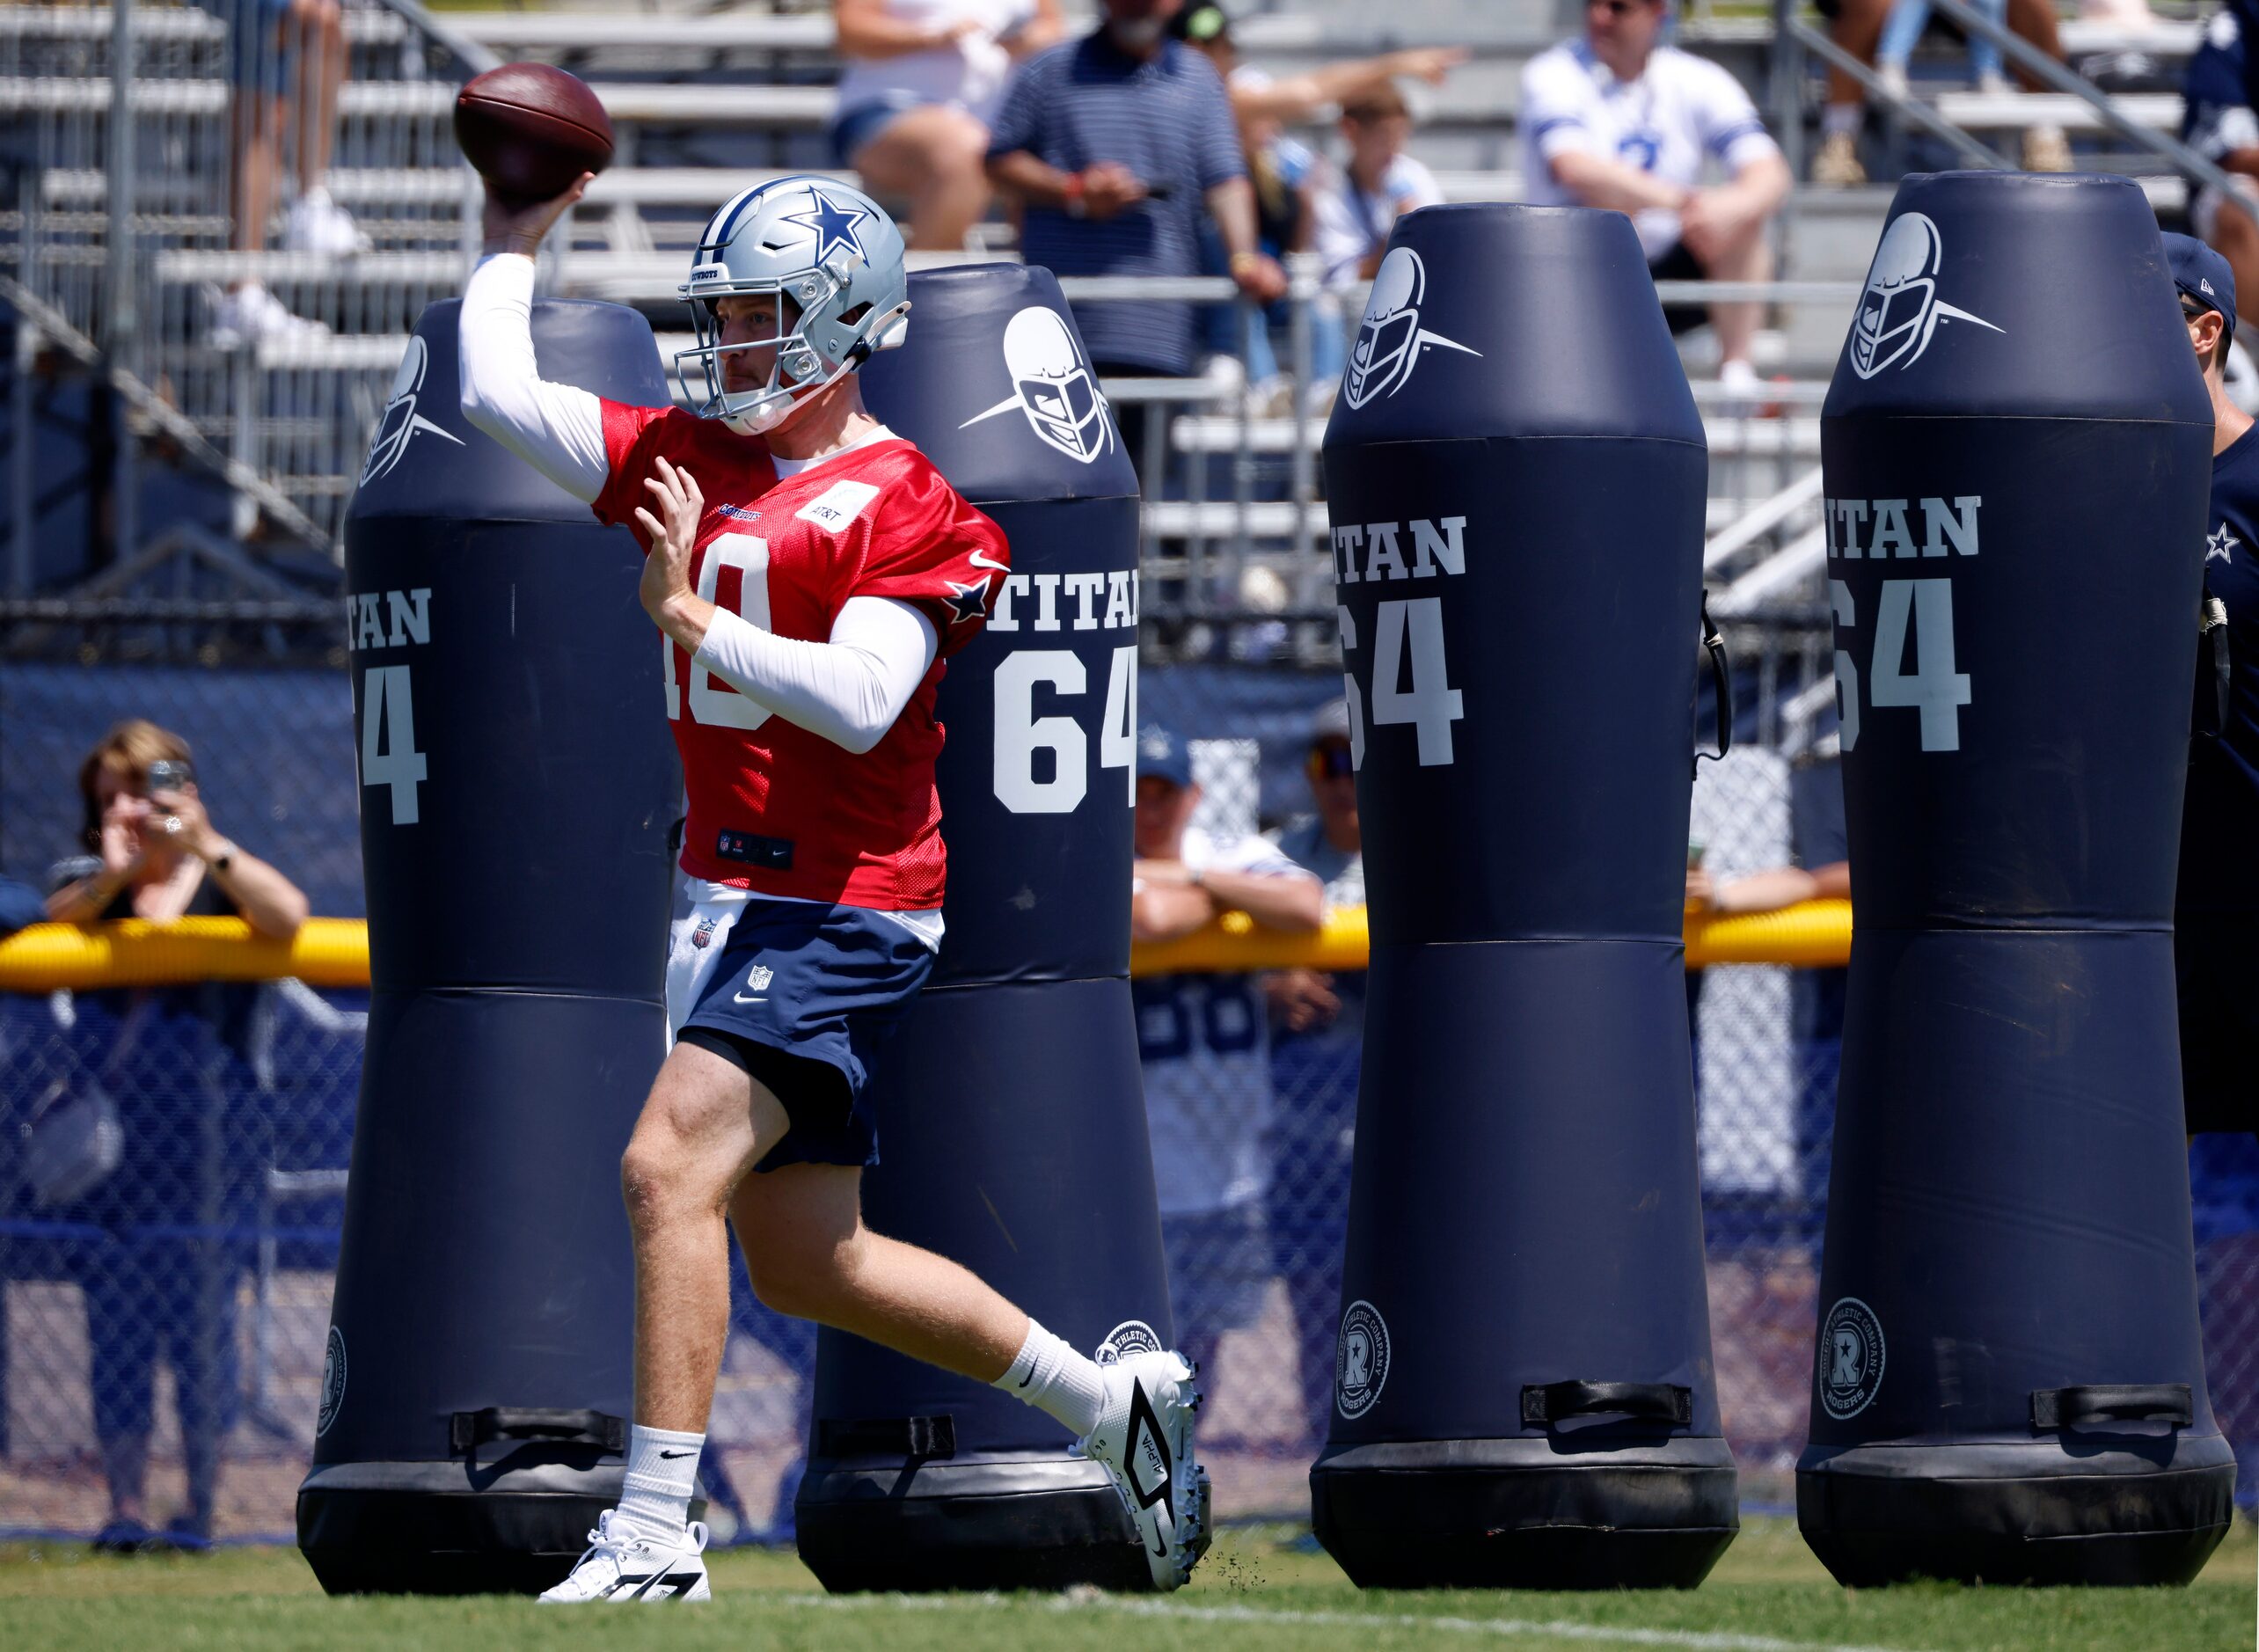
point(401, 420)
point(1131, 1336)
point(333, 1383)
point(1053, 385)
point(1899, 311)
point(1360, 1360)
point(1390, 337)
point(1851, 1356)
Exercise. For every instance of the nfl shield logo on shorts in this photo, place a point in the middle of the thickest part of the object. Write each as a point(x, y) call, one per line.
point(1360, 1360)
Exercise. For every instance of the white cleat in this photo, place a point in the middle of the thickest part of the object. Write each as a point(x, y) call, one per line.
point(622, 1564)
point(1144, 1439)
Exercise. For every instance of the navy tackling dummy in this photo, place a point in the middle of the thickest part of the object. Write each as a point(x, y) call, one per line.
point(811, 571)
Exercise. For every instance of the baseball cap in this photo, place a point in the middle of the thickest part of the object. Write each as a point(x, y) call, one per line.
point(1163, 754)
point(1332, 721)
point(2204, 275)
point(1201, 22)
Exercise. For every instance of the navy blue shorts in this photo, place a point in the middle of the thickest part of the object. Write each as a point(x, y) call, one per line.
point(803, 997)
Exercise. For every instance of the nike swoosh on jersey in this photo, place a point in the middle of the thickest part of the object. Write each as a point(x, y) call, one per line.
point(742, 999)
point(981, 559)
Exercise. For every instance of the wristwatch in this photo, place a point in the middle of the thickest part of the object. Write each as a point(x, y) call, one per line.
point(223, 860)
point(1074, 202)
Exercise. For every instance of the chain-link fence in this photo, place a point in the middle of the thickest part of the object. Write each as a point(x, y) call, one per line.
point(166, 1295)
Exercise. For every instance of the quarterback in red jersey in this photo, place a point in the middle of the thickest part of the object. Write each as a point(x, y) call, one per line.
point(811, 571)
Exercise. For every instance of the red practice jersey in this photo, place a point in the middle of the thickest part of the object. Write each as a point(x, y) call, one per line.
point(775, 809)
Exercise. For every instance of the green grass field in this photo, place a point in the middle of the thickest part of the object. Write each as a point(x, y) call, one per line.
point(1258, 1590)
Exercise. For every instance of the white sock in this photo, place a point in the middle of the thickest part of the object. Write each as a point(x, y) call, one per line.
point(1057, 1380)
point(1842, 117)
point(663, 1474)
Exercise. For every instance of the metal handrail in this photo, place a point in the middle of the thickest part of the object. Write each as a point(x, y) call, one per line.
point(1923, 116)
point(475, 57)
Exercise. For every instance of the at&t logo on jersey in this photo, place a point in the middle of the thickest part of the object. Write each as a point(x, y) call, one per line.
point(1899, 311)
point(1053, 385)
point(1389, 338)
point(401, 420)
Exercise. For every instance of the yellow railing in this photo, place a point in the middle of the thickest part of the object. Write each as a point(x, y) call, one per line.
point(333, 952)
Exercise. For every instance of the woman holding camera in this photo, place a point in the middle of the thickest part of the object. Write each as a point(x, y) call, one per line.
point(168, 1066)
point(161, 857)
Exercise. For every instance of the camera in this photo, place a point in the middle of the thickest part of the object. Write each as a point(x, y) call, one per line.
point(166, 775)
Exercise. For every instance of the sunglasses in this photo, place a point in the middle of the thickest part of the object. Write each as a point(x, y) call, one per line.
point(1329, 762)
point(1616, 8)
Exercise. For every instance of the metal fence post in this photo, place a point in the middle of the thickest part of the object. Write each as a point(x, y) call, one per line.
point(1302, 295)
point(120, 321)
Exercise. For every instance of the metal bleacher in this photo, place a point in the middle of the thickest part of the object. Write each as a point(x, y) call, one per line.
point(702, 103)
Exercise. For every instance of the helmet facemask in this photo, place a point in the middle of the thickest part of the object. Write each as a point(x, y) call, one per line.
point(1889, 321)
point(795, 366)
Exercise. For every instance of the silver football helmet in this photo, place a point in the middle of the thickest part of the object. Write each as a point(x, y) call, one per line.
point(830, 249)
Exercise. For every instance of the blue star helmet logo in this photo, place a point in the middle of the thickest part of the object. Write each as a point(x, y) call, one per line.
point(834, 225)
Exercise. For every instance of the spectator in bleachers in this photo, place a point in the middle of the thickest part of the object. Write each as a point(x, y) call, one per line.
point(1377, 184)
point(2218, 121)
point(1257, 94)
point(1318, 1034)
point(921, 85)
point(1860, 27)
point(1283, 171)
point(1903, 32)
point(286, 61)
point(149, 1291)
point(1115, 145)
point(1856, 28)
point(1204, 1044)
point(1619, 118)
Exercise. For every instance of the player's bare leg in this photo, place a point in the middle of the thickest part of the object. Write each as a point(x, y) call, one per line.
point(700, 1131)
point(810, 1255)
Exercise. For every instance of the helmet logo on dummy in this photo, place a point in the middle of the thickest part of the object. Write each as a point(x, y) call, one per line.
point(333, 1373)
point(401, 420)
point(834, 222)
point(1389, 338)
point(1053, 385)
point(1360, 1355)
point(1899, 311)
point(1851, 1358)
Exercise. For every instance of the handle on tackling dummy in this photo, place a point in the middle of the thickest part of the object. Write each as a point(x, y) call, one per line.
point(1545, 1404)
point(1722, 682)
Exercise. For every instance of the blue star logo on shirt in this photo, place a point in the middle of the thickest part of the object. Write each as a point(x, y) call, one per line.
point(2217, 546)
point(966, 602)
point(834, 225)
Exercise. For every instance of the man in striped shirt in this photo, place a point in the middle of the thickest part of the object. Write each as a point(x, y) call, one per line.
point(1114, 144)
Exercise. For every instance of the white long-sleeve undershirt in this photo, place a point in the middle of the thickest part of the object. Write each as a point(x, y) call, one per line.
point(558, 429)
point(849, 690)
